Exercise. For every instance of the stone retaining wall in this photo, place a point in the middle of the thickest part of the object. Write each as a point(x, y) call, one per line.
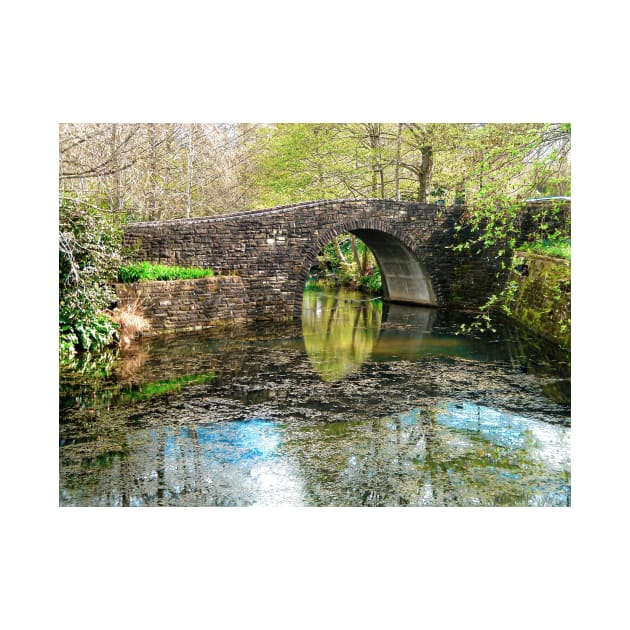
point(543, 299)
point(187, 304)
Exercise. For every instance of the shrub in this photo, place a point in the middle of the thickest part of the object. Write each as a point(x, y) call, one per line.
point(91, 331)
point(372, 283)
point(89, 254)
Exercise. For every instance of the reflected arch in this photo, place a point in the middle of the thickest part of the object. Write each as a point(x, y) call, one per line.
point(404, 277)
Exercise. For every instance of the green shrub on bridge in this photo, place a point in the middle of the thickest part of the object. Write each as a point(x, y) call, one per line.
point(138, 272)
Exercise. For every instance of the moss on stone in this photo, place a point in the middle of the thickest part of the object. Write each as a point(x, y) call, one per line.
point(543, 298)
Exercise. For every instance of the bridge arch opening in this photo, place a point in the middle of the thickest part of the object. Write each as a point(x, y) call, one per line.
point(347, 261)
point(404, 278)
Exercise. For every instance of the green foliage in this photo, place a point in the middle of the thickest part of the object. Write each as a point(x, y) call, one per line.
point(89, 256)
point(440, 163)
point(88, 367)
point(89, 331)
point(372, 283)
point(301, 162)
point(512, 163)
point(560, 247)
point(341, 265)
point(137, 272)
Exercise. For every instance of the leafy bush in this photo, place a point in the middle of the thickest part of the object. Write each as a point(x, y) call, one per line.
point(342, 265)
point(91, 332)
point(89, 255)
point(137, 272)
point(372, 283)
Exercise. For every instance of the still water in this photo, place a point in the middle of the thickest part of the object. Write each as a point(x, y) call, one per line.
point(359, 404)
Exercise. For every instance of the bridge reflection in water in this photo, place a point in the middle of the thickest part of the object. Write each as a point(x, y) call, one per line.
point(343, 330)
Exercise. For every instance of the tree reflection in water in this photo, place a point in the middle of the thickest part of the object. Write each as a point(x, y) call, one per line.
point(339, 331)
point(444, 455)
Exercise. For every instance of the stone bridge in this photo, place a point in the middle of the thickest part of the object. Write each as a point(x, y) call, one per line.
point(272, 251)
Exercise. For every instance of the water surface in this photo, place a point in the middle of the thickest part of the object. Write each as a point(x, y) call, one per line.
point(360, 403)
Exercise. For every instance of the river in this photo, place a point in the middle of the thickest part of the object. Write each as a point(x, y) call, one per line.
point(359, 404)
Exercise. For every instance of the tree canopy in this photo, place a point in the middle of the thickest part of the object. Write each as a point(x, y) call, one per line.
point(159, 171)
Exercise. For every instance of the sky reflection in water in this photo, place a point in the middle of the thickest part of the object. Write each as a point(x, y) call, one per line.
point(463, 455)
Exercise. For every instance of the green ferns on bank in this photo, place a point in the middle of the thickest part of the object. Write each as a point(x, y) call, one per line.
point(137, 272)
point(91, 332)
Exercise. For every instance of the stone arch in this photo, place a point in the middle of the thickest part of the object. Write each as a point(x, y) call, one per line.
point(405, 278)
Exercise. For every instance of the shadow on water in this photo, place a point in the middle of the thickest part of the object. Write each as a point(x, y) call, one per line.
point(361, 403)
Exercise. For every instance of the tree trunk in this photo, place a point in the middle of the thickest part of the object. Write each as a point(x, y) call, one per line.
point(397, 172)
point(190, 170)
point(355, 253)
point(342, 258)
point(115, 192)
point(151, 196)
point(364, 261)
point(424, 174)
point(374, 141)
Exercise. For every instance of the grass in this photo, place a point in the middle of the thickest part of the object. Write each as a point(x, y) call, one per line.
point(560, 248)
point(137, 272)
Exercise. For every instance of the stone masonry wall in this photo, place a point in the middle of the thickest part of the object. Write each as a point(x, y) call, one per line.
point(273, 250)
point(187, 304)
point(543, 298)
